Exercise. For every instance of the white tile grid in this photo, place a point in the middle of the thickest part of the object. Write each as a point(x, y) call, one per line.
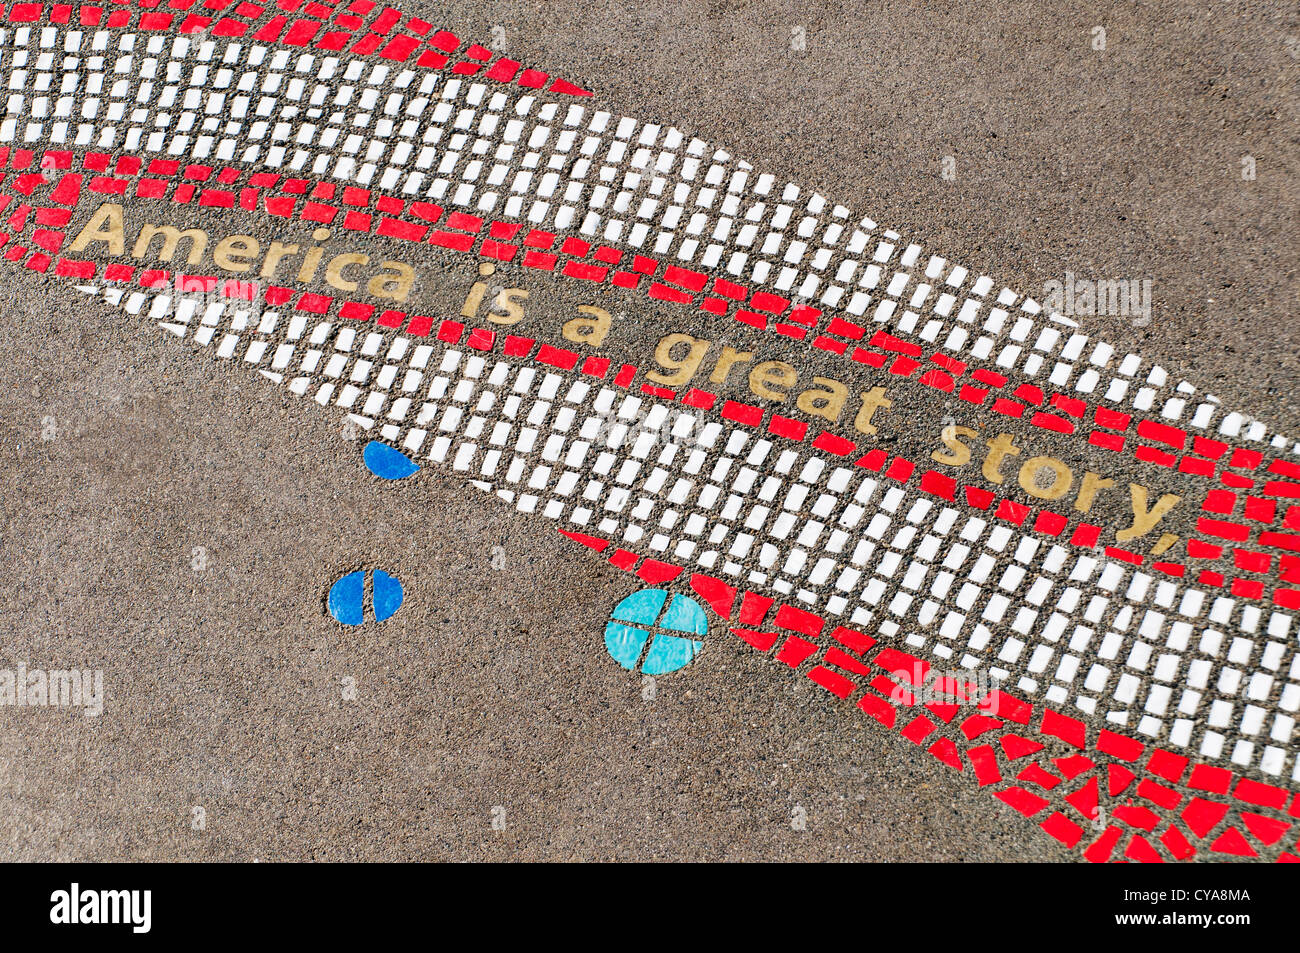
point(922, 573)
point(636, 151)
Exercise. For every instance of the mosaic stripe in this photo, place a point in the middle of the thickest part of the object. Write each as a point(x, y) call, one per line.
point(368, 121)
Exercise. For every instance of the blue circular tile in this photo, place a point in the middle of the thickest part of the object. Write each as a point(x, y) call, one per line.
point(387, 462)
point(642, 618)
point(347, 597)
point(387, 595)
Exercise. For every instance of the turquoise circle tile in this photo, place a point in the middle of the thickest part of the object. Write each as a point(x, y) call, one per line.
point(668, 627)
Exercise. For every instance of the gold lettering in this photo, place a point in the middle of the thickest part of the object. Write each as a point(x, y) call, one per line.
point(828, 403)
point(171, 238)
point(1062, 478)
point(960, 453)
point(589, 331)
point(1144, 520)
point(726, 359)
point(1092, 482)
point(1000, 447)
point(871, 401)
point(310, 260)
point(681, 370)
point(236, 253)
point(394, 285)
point(104, 226)
point(765, 378)
point(279, 251)
point(508, 301)
point(334, 270)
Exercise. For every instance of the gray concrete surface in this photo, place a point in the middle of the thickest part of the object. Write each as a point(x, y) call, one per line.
point(224, 686)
